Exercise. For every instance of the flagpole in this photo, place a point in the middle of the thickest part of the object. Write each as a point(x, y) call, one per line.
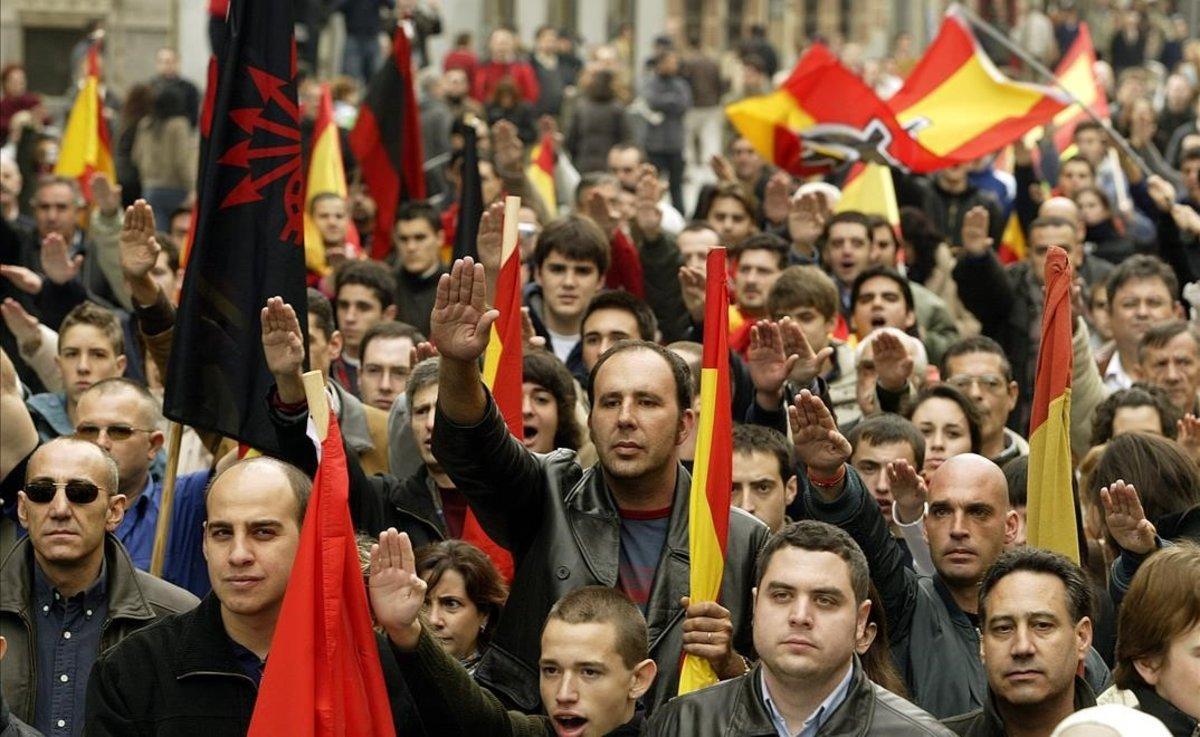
point(991, 32)
point(166, 505)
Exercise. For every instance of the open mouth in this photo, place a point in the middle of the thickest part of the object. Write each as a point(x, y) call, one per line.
point(569, 725)
point(530, 432)
point(878, 321)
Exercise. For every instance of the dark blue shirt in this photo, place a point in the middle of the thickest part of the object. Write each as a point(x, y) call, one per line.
point(68, 642)
point(184, 565)
point(250, 663)
point(643, 535)
point(137, 528)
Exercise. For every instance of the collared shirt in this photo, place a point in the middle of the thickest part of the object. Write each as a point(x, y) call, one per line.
point(68, 642)
point(818, 718)
point(137, 530)
point(251, 664)
point(1115, 376)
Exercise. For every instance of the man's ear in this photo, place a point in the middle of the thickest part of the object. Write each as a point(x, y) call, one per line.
point(687, 424)
point(116, 512)
point(1083, 637)
point(1012, 525)
point(910, 319)
point(156, 443)
point(789, 491)
point(1149, 669)
point(643, 676)
point(22, 510)
point(121, 361)
point(864, 615)
point(335, 345)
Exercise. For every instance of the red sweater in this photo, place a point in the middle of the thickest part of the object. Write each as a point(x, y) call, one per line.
point(490, 73)
point(462, 59)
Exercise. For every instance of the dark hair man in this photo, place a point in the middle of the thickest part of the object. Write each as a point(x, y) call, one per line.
point(978, 367)
point(764, 477)
point(1035, 611)
point(363, 296)
point(810, 611)
point(594, 663)
point(611, 317)
point(386, 355)
point(1169, 357)
point(756, 263)
point(878, 440)
point(968, 523)
point(881, 298)
point(1142, 293)
point(418, 238)
point(640, 394)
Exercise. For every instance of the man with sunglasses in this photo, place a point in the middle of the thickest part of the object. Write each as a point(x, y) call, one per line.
point(122, 417)
point(68, 590)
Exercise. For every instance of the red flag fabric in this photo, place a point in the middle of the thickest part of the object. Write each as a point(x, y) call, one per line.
point(323, 675)
point(386, 141)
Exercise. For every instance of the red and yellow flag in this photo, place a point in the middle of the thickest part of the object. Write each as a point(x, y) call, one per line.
point(541, 172)
point(1076, 72)
point(86, 145)
point(1051, 507)
point(712, 474)
point(868, 188)
point(1012, 243)
point(958, 105)
point(503, 368)
point(324, 676)
point(326, 174)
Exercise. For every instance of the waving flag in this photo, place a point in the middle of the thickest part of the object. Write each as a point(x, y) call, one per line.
point(86, 145)
point(324, 676)
point(1051, 509)
point(503, 368)
point(958, 105)
point(712, 475)
point(868, 188)
point(541, 172)
point(326, 174)
point(386, 141)
point(248, 230)
point(1077, 73)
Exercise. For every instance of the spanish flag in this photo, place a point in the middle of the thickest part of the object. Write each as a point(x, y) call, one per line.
point(1076, 72)
point(958, 105)
point(86, 145)
point(712, 475)
point(542, 159)
point(868, 188)
point(1051, 510)
point(1012, 243)
point(824, 116)
point(503, 368)
point(326, 174)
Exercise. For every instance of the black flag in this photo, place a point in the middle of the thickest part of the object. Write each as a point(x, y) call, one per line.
point(248, 237)
point(470, 201)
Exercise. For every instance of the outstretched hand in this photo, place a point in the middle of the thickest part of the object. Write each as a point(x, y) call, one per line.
point(767, 363)
point(795, 343)
point(908, 490)
point(397, 592)
point(819, 444)
point(283, 342)
point(58, 264)
point(975, 238)
point(893, 365)
point(1126, 520)
point(460, 324)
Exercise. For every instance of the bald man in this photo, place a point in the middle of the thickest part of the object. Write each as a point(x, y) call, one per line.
point(932, 621)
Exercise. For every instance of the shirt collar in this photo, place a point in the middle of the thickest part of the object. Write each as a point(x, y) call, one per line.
point(1115, 374)
point(818, 717)
point(45, 593)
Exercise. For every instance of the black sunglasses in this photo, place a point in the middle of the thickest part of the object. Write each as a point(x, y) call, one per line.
point(78, 491)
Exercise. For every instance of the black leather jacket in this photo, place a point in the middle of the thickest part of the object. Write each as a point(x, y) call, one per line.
point(562, 527)
point(736, 707)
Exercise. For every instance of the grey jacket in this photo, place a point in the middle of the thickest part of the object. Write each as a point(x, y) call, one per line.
point(935, 644)
point(670, 97)
point(135, 600)
point(563, 528)
point(735, 708)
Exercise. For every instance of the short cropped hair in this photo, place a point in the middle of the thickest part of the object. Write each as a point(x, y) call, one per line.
point(887, 428)
point(761, 439)
point(847, 216)
point(1138, 395)
point(370, 274)
point(124, 383)
point(387, 329)
point(323, 197)
point(575, 237)
point(803, 286)
point(419, 210)
point(606, 605)
point(819, 537)
point(594, 179)
point(1141, 266)
point(298, 481)
point(103, 319)
point(679, 370)
point(1162, 603)
point(321, 312)
point(976, 344)
point(886, 273)
point(1159, 335)
point(736, 191)
point(423, 375)
point(764, 242)
point(619, 299)
point(692, 354)
point(1036, 560)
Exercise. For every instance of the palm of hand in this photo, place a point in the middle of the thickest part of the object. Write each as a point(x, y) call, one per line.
point(767, 366)
point(816, 448)
point(893, 369)
point(396, 597)
point(283, 352)
point(454, 329)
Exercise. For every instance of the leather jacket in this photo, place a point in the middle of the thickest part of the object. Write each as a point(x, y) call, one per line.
point(562, 527)
point(735, 708)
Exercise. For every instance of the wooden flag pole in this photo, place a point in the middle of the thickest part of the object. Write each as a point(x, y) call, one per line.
point(318, 402)
point(166, 504)
point(508, 235)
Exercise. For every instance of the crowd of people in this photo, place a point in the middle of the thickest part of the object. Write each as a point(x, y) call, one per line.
point(877, 576)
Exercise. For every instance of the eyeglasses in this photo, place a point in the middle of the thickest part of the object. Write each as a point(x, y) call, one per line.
point(79, 491)
point(115, 432)
point(991, 382)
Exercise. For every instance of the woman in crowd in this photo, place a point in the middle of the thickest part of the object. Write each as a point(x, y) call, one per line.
point(599, 123)
point(949, 422)
point(1104, 230)
point(548, 411)
point(464, 598)
point(506, 104)
point(164, 152)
